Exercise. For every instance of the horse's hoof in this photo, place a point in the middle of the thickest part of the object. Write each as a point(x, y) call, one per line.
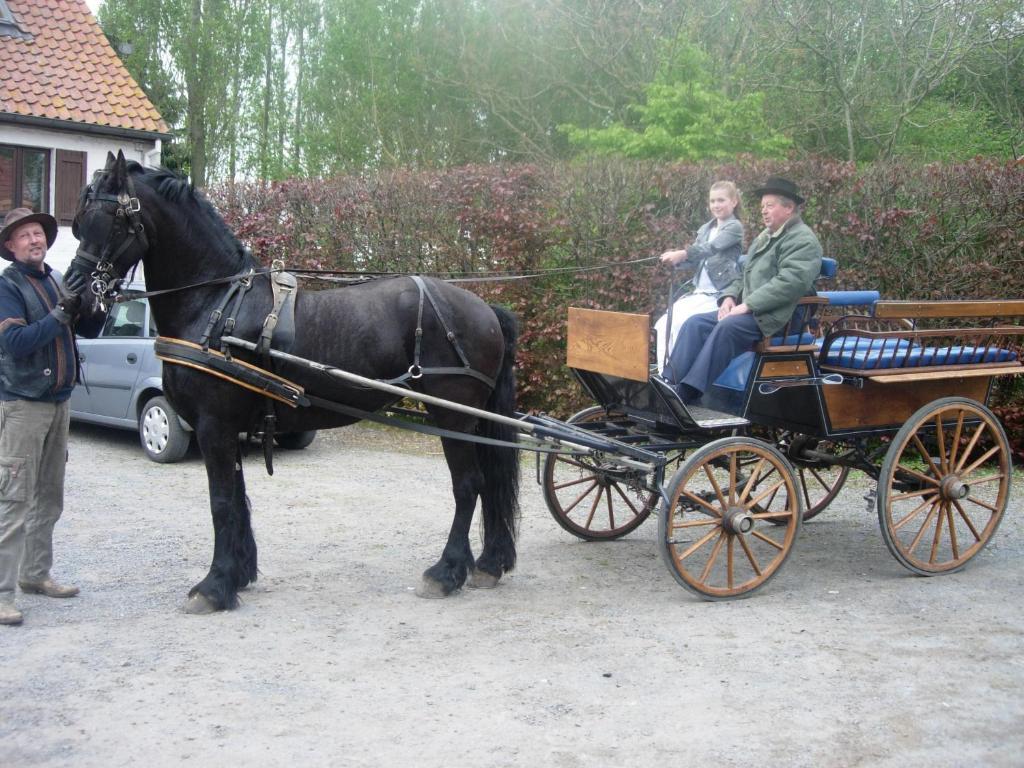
point(431, 589)
point(482, 579)
point(199, 604)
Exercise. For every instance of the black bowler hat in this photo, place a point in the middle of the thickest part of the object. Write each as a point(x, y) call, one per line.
point(779, 186)
point(19, 217)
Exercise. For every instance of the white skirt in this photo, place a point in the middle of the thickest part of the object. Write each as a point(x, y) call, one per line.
point(684, 308)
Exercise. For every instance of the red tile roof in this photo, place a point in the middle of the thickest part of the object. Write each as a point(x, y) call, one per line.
point(68, 71)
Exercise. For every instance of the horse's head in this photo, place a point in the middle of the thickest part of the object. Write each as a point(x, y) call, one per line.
point(109, 227)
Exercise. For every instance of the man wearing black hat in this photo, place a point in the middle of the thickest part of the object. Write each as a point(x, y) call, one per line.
point(780, 268)
point(38, 370)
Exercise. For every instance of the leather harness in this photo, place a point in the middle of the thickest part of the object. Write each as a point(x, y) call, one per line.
point(278, 333)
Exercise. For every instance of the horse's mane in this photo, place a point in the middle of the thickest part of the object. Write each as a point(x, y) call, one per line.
point(178, 190)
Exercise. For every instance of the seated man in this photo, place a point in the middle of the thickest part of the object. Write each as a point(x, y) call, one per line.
point(779, 269)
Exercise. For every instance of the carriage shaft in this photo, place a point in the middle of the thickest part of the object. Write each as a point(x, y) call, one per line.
point(641, 459)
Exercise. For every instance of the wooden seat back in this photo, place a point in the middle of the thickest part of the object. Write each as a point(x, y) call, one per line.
point(613, 343)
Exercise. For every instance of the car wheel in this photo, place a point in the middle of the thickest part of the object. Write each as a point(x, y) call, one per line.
point(294, 441)
point(163, 438)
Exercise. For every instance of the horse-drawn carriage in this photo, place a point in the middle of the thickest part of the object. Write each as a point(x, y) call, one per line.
point(897, 390)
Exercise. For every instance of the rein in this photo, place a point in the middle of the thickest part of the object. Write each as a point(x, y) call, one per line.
point(351, 277)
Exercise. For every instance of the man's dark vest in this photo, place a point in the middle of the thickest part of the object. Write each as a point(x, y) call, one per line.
point(35, 376)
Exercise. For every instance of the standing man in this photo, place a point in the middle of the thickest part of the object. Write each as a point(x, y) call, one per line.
point(780, 268)
point(38, 370)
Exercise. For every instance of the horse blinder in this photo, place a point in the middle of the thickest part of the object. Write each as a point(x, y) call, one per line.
point(104, 268)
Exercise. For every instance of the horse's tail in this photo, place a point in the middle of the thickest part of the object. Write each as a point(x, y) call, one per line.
point(500, 466)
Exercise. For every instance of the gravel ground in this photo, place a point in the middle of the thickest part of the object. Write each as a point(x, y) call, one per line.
point(587, 655)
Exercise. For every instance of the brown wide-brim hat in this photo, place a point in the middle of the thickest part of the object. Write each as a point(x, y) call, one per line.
point(779, 186)
point(19, 217)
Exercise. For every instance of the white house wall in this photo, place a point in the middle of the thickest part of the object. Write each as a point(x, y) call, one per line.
point(95, 147)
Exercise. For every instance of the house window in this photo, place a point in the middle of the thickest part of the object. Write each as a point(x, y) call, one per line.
point(24, 178)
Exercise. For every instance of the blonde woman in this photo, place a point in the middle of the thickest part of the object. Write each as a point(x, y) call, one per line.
point(716, 252)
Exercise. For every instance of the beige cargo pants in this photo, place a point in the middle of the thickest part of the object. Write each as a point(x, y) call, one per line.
point(33, 457)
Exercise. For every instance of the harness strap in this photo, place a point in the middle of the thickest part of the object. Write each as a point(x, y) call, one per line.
point(241, 289)
point(282, 286)
point(444, 324)
point(281, 319)
point(416, 370)
point(240, 284)
point(180, 352)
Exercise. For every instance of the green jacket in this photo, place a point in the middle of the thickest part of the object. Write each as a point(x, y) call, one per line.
point(779, 269)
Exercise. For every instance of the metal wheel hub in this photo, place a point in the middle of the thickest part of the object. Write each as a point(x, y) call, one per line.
point(738, 520)
point(953, 489)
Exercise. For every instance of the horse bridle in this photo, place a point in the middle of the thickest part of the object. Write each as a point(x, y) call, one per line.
point(101, 267)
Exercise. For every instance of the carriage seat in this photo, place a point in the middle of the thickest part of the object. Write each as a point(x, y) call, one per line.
point(735, 376)
point(857, 353)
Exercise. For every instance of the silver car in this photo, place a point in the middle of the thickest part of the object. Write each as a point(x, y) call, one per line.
point(122, 386)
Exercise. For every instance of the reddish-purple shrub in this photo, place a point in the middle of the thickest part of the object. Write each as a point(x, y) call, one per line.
point(909, 231)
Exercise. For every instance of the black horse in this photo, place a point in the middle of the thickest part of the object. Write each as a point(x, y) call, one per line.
point(129, 213)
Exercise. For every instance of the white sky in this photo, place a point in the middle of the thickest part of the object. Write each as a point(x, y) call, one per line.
point(94, 5)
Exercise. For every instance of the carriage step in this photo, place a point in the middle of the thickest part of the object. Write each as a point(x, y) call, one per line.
point(709, 419)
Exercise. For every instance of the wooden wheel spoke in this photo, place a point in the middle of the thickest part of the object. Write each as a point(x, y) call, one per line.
point(733, 472)
point(803, 487)
point(911, 494)
point(750, 555)
point(576, 464)
point(773, 489)
point(767, 540)
point(699, 543)
point(697, 523)
point(924, 527)
point(911, 515)
point(722, 536)
point(925, 454)
point(938, 532)
point(751, 481)
point(714, 484)
point(970, 447)
point(981, 503)
point(917, 475)
point(772, 515)
point(981, 460)
point(988, 479)
point(729, 561)
point(822, 483)
point(768, 504)
point(592, 486)
point(626, 499)
point(693, 497)
point(956, 438)
point(611, 511)
point(940, 439)
point(967, 521)
point(593, 507)
point(570, 483)
point(952, 532)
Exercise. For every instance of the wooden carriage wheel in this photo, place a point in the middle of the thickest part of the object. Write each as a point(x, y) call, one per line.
point(715, 534)
point(819, 482)
point(944, 485)
point(591, 498)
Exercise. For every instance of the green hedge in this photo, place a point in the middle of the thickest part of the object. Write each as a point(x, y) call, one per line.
point(909, 231)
